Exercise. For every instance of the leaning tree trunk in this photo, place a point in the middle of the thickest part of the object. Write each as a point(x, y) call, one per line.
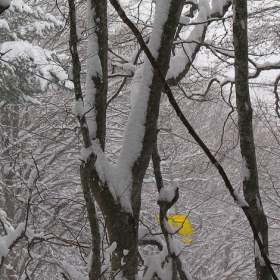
point(245, 127)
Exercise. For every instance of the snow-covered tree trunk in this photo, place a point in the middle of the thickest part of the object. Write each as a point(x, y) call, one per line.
point(117, 189)
point(244, 109)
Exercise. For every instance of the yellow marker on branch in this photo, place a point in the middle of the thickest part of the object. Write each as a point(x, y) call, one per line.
point(182, 223)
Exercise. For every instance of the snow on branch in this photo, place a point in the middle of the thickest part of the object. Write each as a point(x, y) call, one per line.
point(199, 141)
point(136, 125)
point(11, 236)
point(180, 63)
point(240, 201)
point(108, 257)
point(72, 272)
point(41, 60)
point(129, 68)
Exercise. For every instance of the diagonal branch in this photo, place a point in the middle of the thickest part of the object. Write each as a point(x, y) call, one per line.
point(191, 130)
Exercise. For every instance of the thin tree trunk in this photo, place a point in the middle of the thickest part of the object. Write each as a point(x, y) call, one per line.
point(164, 207)
point(245, 127)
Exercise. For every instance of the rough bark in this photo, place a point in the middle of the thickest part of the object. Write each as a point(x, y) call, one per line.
point(173, 102)
point(95, 265)
point(101, 83)
point(123, 227)
point(86, 167)
point(245, 127)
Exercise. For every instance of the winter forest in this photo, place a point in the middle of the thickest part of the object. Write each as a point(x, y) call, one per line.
point(139, 139)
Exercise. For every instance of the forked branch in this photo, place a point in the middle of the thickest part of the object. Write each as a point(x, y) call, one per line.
point(191, 130)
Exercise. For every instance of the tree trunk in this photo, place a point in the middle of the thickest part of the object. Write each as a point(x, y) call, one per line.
point(122, 225)
point(245, 127)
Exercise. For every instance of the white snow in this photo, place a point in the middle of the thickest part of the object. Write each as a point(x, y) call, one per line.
point(94, 69)
point(217, 6)
point(167, 193)
point(5, 3)
point(258, 254)
point(122, 261)
point(70, 73)
point(72, 271)
point(175, 246)
point(9, 267)
point(269, 63)
point(161, 15)
point(180, 60)
point(32, 178)
point(184, 20)
point(39, 57)
point(4, 25)
point(129, 68)
point(154, 263)
point(79, 31)
point(145, 234)
point(245, 171)
point(108, 253)
point(85, 153)
point(135, 85)
point(240, 201)
point(11, 234)
point(259, 207)
point(79, 109)
point(135, 129)
point(89, 262)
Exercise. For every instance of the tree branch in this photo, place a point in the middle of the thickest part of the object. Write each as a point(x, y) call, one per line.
point(190, 129)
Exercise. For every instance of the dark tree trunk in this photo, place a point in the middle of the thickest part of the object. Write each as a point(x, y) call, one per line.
point(245, 126)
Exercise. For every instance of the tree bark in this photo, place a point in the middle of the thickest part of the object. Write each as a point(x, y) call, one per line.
point(123, 227)
point(245, 127)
